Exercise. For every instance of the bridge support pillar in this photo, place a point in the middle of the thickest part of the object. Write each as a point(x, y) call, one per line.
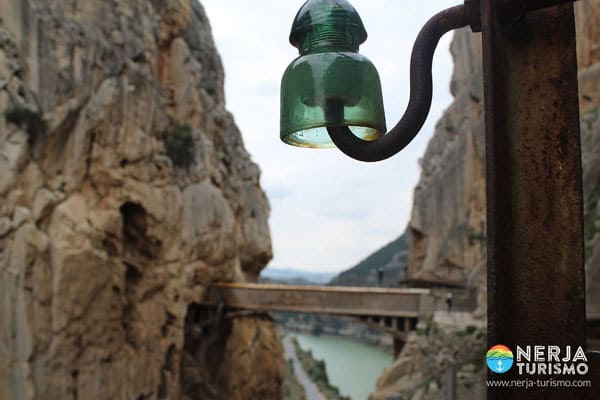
point(398, 345)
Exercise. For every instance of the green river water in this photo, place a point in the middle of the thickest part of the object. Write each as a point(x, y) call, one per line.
point(351, 366)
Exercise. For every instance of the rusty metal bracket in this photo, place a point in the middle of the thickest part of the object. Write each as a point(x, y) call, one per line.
point(509, 11)
point(421, 92)
point(421, 86)
point(473, 12)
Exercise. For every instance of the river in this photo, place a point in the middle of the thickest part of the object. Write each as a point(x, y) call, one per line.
point(352, 367)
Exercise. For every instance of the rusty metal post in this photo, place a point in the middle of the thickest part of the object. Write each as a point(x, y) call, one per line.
point(534, 185)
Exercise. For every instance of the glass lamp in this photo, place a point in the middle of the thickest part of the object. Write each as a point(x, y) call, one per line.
point(330, 84)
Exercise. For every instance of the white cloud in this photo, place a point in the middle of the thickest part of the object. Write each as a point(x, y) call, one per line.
point(328, 211)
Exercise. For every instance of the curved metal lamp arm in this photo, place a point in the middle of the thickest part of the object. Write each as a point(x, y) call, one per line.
point(421, 91)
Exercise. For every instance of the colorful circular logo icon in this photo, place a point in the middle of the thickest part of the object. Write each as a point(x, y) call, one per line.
point(499, 359)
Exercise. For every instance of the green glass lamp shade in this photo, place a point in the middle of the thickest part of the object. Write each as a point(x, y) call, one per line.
point(330, 84)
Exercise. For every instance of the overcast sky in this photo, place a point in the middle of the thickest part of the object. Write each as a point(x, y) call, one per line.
point(327, 211)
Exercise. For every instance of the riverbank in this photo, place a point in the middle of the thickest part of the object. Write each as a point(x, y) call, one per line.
point(306, 377)
point(317, 371)
point(352, 367)
point(345, 328)
point(297, 384)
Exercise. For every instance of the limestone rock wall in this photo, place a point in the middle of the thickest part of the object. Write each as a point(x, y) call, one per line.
point(106, 246)
point(448, 217)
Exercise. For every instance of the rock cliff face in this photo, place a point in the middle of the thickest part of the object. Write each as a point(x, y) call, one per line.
point(588, 30)
point(125, 189)
point(448, 219)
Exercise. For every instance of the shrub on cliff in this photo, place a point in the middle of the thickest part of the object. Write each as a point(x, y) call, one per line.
point(180, 146)
point(32, 121)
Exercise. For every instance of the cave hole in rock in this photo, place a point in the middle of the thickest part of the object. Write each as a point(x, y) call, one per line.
point(133, 274)
point(110, 245)
point(136, 241)
point(205, 338)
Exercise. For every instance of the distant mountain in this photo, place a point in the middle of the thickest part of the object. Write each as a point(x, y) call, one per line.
point(392, 257)
point(296, 276)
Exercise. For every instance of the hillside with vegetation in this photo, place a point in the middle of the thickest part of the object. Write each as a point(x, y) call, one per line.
point(392, 257)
